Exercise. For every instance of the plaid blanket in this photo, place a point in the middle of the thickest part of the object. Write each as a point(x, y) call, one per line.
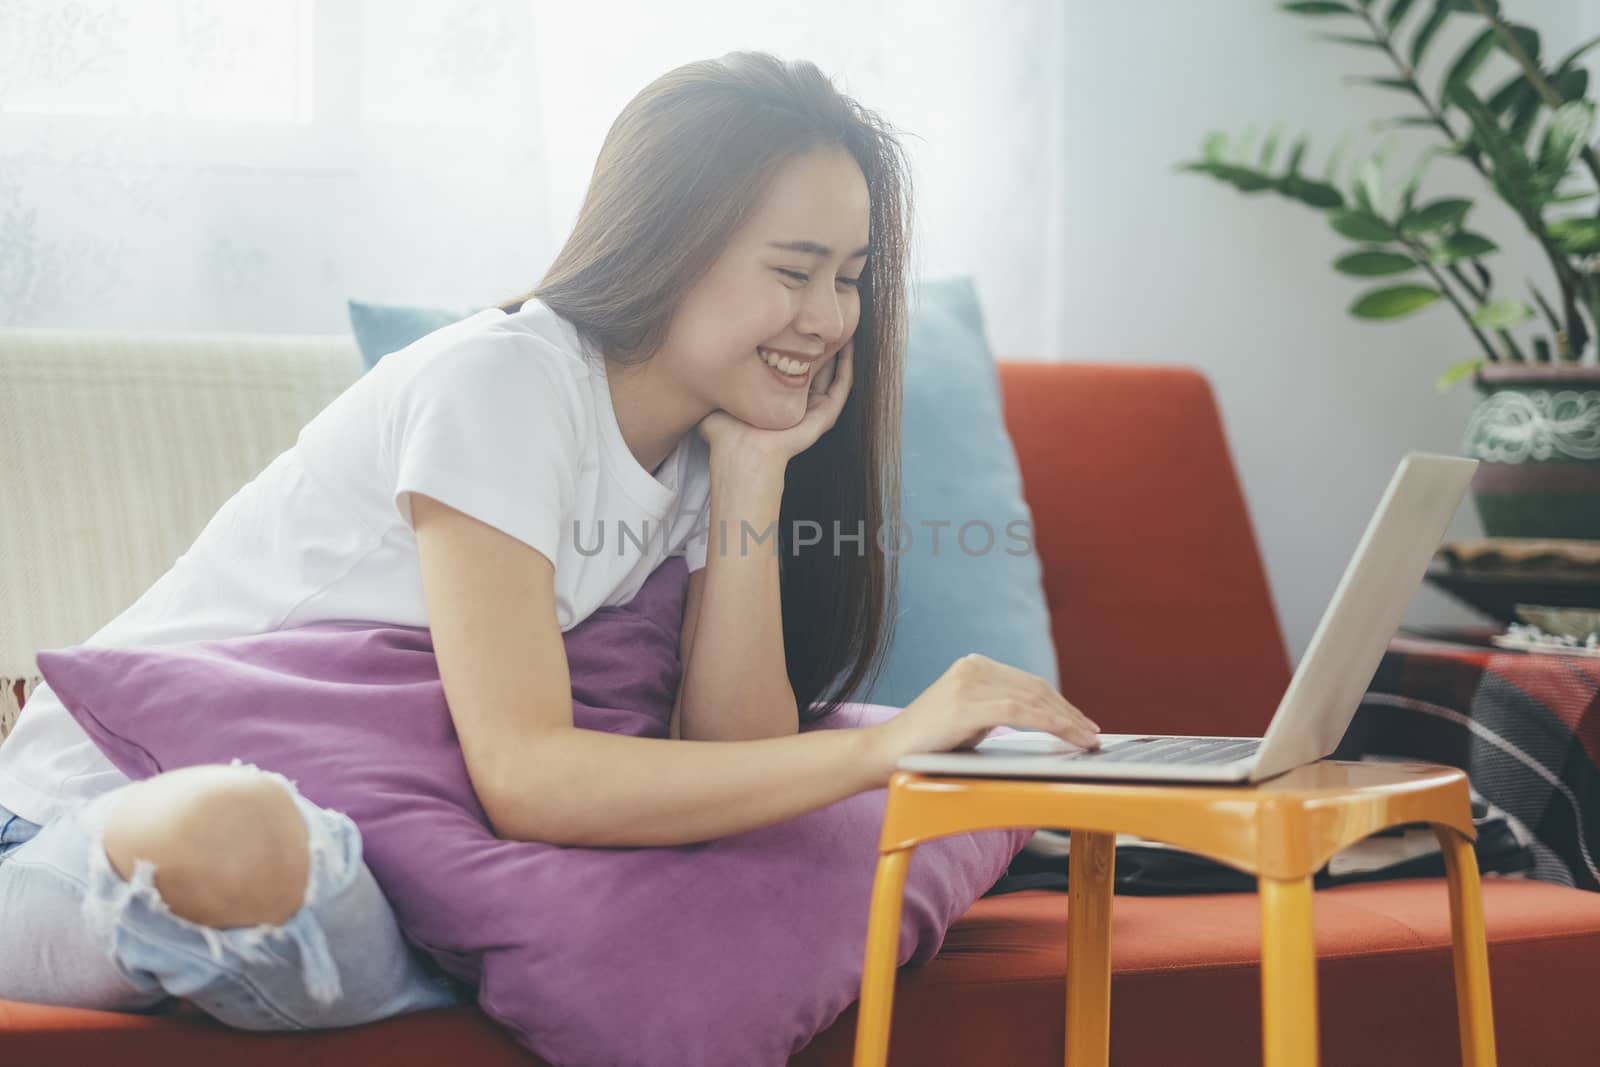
point(1524, 726)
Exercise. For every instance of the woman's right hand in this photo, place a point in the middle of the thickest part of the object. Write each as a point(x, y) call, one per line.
point(973, 696)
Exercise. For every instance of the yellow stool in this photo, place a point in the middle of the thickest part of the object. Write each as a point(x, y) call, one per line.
point(1282, 831)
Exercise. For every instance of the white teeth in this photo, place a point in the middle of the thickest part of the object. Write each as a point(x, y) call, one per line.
point(792, 367)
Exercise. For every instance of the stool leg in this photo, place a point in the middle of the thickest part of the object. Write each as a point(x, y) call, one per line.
point(883, 956)
point(1288, 974)
point(1089, 871)
point(1470, 947)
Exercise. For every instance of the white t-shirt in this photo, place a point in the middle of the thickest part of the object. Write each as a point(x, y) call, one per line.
point(505, 417)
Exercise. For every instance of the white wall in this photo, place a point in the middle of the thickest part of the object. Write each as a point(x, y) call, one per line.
point(1319, 407)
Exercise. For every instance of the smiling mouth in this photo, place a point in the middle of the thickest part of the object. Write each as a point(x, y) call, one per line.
point(777, 365)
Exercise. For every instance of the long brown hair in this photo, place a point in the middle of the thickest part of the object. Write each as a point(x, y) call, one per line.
point(682, 167)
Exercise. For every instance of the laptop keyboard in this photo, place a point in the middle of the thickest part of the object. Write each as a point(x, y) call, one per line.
point(1172, 750)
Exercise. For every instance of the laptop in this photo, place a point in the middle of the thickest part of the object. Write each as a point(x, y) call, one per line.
point(1322, 698)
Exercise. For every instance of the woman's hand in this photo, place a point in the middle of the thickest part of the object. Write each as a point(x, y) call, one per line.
point(973, 696)
point(824, 400)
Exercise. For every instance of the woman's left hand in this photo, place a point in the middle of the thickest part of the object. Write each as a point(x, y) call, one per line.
point(824, 400)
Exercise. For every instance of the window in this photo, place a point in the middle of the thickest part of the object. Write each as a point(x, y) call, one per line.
point(180, 59)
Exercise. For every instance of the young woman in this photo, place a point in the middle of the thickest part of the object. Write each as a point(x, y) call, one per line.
point(717, 347)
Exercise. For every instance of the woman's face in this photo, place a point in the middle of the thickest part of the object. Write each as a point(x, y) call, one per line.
point(759, 296)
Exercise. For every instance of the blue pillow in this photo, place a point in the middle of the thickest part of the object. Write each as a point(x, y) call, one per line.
point(384, 328)
point(959, 466)
point(983, 592)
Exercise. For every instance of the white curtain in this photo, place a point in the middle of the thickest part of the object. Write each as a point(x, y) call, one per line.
point(233, 166)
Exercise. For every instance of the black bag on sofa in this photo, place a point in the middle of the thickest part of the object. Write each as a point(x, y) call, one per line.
point(1154, 869)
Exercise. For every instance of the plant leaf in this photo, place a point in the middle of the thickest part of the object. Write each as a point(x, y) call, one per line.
point(1397, 14)
point(1270, 146)
point(1345, 38)
point(1404, 85)
point(1447, 213)
point(1393, 302)
point(1316, 194)
point(1471, 58)
point(1214, 149)
point(1372, 264)
point(1296, 154)
point(1463, 245)
point(1578, 237)
point(1513, 89)
point(1572, 56)
point(1242, 178)
point(1425, 34)
point(1361, 226)
point(1571, 84)
point(1333, 160)
point(1317, 7)
point(1369, 186)
point(1512, 173)
point(1408, 191)
point(1564, 139)
point(1465, 369)
point(1403, 120)
point(1241, 147)
point(1573, 198)
point(1527, 37)
point(1502, 314)
point(1524, 113)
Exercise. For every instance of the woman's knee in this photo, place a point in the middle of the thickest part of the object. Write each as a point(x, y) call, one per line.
point(229, 845)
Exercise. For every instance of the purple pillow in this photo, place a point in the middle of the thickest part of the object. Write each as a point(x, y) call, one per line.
point(734, 952)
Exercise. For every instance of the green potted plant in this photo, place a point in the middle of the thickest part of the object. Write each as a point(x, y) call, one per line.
point(1535, 425)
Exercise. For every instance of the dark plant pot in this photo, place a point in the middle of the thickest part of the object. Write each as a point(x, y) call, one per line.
point(1535, 431)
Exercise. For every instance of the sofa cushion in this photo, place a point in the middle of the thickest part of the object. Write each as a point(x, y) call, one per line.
point(734, 951)
point(969, 575)
point(1385, 983)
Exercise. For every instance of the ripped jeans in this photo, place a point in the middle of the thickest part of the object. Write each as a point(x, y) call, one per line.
point(74, 933)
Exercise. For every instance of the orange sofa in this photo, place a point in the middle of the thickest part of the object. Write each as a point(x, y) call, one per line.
point(1144, 536)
